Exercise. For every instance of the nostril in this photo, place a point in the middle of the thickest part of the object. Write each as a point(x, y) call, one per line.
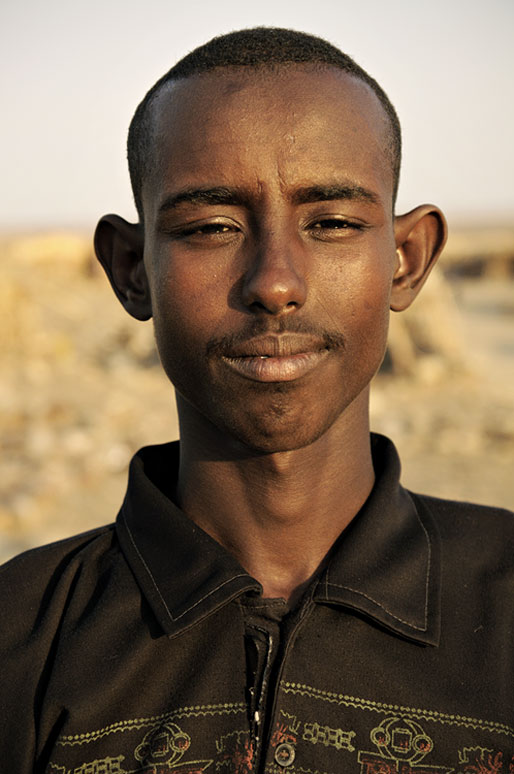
point(272, 308)
point(258, 306)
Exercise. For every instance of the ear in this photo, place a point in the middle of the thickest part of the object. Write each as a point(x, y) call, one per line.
point(119, 248)
point(420, 237)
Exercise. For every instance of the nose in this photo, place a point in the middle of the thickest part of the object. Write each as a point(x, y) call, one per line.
point(275, 282)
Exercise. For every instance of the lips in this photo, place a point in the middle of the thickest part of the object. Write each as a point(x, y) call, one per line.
point(277, 346)
point(276, 358)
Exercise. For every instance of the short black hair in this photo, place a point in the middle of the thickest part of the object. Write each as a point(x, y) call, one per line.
point(253, 48)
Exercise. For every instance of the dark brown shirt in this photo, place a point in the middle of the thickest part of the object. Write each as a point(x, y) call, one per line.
point(144, 647)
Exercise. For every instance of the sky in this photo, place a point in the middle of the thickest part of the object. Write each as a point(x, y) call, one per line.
point(72, 74)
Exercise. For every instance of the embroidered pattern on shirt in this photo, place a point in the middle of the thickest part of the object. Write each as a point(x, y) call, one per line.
point(404, 740)
point(197, 710)
point(235, 751)
point(413, 712)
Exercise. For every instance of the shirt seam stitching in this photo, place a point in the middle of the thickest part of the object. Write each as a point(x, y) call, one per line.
point(212, 591)
point(146, 567)
point(154, 583)
point(385, 609)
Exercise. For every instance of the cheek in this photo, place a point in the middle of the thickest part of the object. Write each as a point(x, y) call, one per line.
point(375, 304)
point(173, 318)
point(375, 298)
point(361, 292)
point(363, 313)
point(188, 310)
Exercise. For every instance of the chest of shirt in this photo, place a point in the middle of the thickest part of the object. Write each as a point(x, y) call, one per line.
point(345, 695)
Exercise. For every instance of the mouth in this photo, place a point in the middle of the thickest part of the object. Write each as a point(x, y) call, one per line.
point(276, 358)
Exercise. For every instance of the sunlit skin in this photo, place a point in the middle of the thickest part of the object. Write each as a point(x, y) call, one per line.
point(269, 261)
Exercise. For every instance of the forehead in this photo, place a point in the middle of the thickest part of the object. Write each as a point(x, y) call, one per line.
point(295, 120)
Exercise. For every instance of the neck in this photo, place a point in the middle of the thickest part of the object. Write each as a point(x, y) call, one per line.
point(277, 513)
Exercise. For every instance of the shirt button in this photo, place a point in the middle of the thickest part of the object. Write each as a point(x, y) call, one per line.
point(284, 754)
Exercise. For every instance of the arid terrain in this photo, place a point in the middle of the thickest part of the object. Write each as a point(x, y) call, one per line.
point(82, 388)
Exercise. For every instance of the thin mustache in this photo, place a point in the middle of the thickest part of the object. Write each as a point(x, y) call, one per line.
point(224, 346)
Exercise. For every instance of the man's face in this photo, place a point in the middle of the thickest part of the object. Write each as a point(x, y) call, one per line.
point(269, 248)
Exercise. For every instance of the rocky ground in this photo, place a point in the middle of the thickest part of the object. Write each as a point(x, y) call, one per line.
point(82, 389)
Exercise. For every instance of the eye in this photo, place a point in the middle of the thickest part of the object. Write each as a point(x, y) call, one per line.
point(337, 224)
point(209, 234)
point(207, 229)
point(334, 228)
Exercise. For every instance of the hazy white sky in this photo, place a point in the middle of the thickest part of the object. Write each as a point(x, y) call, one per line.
point(73, 72)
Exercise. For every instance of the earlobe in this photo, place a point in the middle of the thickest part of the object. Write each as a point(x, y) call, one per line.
point(119, 247)
point(420, 237)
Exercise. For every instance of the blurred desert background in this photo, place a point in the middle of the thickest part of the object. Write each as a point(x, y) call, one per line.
point(82, 387)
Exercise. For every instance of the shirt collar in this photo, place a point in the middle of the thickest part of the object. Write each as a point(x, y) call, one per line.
point(385, 564)
point(184, 574)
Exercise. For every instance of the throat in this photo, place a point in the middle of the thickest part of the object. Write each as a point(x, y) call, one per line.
point(278, 519)
point(277, 513)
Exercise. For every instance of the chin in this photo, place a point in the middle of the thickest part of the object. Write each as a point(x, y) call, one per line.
point(274, 444)
point(267, 421)
point(274, 434)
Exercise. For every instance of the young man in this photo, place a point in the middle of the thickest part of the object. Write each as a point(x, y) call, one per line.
point(270, 597)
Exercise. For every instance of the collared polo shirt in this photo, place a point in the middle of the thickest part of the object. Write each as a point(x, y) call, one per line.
point(145, 647)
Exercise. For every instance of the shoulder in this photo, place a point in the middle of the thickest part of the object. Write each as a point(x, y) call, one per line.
point(44, 595)
point(44, 560)
point(471, 534)
point(36, 586)
point(452, 514)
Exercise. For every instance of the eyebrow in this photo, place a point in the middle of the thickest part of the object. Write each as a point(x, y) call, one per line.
point(219, 195)
point(239, 197)
point(326, 193)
